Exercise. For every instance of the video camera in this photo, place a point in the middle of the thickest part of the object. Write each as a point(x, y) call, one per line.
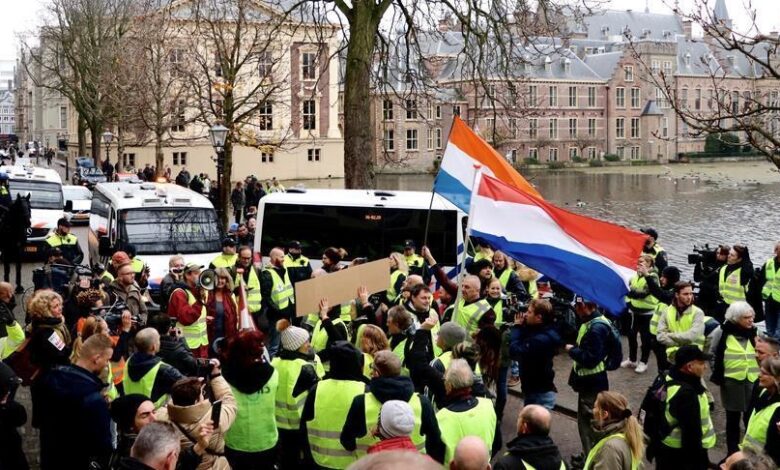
point(113, 315)
point(703, 254)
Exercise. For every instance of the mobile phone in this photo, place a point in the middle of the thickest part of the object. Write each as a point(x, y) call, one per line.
point(216, 411)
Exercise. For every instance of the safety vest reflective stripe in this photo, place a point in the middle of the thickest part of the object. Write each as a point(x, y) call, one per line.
point(252, 431)
point(196, 334)
point(254, 297)
point(331, 404)
point(479, 421)
point(372, 407)
point(118, 370)
point(137, 265)
point(600, 367)
point(225, 261)
point(760, 420)
point(683, 324)
point(597, 448)
point(674, 439)
point(319, 338)
point(739, 359)
point(288, 408)
point(660, 309)
point(289, 262)
point(645, 303)
point(391, 293)
point(468, 316)
point(771, 288)
point(504, 277)
point(656, 251)
point(55, 240)
point(729, 287)
point(145, 385)
point(106, 277)
point(282, 290)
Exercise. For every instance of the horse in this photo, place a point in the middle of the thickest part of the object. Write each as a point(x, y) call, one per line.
point(13, 236)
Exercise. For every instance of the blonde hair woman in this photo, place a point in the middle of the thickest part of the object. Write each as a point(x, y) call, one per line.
point(221, 311)
point(399, 270)
point(621, 445)
point(372, 340)
point(89, 327)
point(50, 341)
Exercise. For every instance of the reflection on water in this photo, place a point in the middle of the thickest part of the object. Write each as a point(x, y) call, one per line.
point(684, 211)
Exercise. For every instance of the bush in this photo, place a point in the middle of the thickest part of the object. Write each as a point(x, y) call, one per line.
point(611, 157)
point(531, 161)
point(595, 163)
point(556, 165)
point(723, 143)
point(578, 160)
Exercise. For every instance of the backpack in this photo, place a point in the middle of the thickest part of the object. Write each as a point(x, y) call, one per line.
point(652, 414)
point(614, 347)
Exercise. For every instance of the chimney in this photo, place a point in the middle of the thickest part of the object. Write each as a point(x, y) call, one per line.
point(688, 29)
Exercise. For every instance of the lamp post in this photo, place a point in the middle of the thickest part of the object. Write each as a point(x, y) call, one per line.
point(218, 134)
point(108, 137)
point(62, 143)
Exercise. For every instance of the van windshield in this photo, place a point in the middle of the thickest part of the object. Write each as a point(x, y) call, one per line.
point(43, 195)
point(371, 232)
point(167, 231)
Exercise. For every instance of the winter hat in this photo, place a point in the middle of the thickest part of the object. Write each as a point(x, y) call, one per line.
point(396, 419)
point(451, 334)
point(293, 337)
point(119, 259)
point(345, 361)
point(123, 410)
point(671, 274)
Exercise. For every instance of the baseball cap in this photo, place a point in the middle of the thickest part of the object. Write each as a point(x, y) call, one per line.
point(294, 244)
point(649, 231)
point(409, 244)
point(688, 353)
point(228, 241)
point(192, 267)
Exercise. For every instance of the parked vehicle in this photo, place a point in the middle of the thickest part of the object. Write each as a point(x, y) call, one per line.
point(80, 199)
point(88, 176)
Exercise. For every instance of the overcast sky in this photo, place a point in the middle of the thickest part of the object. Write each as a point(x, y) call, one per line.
point(22, 16)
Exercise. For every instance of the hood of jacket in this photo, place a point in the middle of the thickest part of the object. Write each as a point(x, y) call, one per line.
point(536, 450)
point(345, 362)
point(139, 364)
point(607, 429)
point(391, 388)
point(688, 379)
point(249, 379)
point(187, 415)
point(73, 381)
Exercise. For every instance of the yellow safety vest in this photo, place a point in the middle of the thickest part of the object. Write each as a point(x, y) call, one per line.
point(597, 448)
point(645, 303)
point(282, 290)
point(145, 385)
point(54, 240)
point(196, 334)
point(739, 362)
point(504, 277)
point(289, 262)
point(656, 251)
point(372, 407)
point(660, 309)
point(254, 298)
point(368, 361)
point(13, 339)
point(771, 289)
point(391, 293)
point(288, 408)
point(253, 431)
point(684, 323)
point(331, 404)
point(225, 261)
point(600, 367)
point(468, 316)
point(479, 421)
point(400, 351)
point(760, 420)
point(137, 265)
point(729, 287)
point(319, 338)
point(674, 439)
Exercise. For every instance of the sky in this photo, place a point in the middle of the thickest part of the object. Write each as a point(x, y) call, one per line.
point(23, 16)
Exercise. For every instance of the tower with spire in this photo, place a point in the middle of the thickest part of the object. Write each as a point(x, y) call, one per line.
point(721, 14)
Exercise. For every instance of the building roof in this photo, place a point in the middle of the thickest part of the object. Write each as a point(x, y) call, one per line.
point(604, 64)
point(651, 109)
point(720, 12)
point(613, 24)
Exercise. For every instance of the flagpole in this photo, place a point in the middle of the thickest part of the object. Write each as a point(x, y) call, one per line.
point(428, 217)
point(474, 189)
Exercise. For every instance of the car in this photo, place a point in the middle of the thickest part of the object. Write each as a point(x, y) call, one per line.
point(85, 162)
point(127, 178)
point(88, 177)
point(78, 201)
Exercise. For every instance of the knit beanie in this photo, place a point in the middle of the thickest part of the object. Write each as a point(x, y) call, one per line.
point(451, 334)
point(123, 410)
point(671, 274)
point(396, 419)
point(119, 259)
point(293, 337)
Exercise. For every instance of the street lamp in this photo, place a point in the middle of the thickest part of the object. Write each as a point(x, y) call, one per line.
point(108, 137)
point(218, 135)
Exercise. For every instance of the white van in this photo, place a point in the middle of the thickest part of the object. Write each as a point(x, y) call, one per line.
point(366, 223)
point(159, 219)
point(46, 202)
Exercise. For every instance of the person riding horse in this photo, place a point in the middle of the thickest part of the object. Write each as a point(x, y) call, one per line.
point(13, 236)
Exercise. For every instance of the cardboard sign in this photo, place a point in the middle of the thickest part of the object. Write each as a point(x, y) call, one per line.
point(341, 287)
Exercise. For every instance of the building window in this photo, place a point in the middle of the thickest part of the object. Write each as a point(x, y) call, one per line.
point(179, 116)
point(621, 152)
point(660, 98)
point(552, 154)
point(572, 96)
point(179, 158)
point(309, 65)
point(734, 102)
point(655, 65)
point(634, 128)
point(629, 73)
point(620, 128)
point(533, 128)
point(266, 116)
point(266, 157)
point(411, 110)
point(697, 99)
point(265, 64)
point(64, 117)
point(572, 127)
point(684, 98)
point(513, 127)
point(710, 98)
point(667, 69)
point(591, 96)
point(438, 111)
point(411, 139)
point(309, 115)
point(620, 97)
point(456, 110)
point(387, 110)
point(592, 153)
point(635, 155)
point(490, 124)
point(591, 127)
point(439, 139)
point(553, 128)
point(388, 141)
point(313, 155)
point(572, 153)
point(664, 126)
point(533, 96)
point(553, 96)
point(533, 153)
point(429, 138)
point(636, 97)
point(747, 99)
point(128, 160)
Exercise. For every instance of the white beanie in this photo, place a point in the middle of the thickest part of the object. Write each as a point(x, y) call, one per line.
point(292, 337)
point(396, 419)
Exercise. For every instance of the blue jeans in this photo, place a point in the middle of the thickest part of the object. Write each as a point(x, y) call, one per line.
point(771, 314)
point(545, 399)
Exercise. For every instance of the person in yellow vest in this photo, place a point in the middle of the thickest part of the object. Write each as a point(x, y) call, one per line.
point(641, 306)
point(329, 329)
point(11, 332)
point(733, 279)
point(687, 414)
point(664, 292)
point(528, 277)
point(466, 415)
point(299, 369)
point(482, 250)
point(140, 269)
point(327, 404)
point(532, 448)
point(228, 257)
point(147, 374)
point(653, 249)
point(399, 331)
point(297, 265)
point(762, 432)
point(398, 272)
point(278, 298)
point(620, 444)
point(735, 369)
point(66, 242)
point(769, 280)
point(251, 442)
point(415, 262)
point(682, 323)
point(510, 281)
point(473, 312)
point(188, 306)
point(248, 273)
point(387, 383)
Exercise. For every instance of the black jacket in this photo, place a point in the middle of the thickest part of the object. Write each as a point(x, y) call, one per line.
point(538, 451)
point(684, 406)
point(535, 346)
point(729, 329)
point(665, 296)
point(336, 332)
point(74, 420)
point(301, 271)
point(268, 308)
point(392, 388)
point(12, 416)
point(175, 353)
point(140, 363)
point(588, 354)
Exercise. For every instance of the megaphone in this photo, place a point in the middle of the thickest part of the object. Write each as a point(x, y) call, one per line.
point(207, 279)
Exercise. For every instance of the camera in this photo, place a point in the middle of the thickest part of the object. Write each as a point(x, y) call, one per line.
point(113, 315)
point(177, 271)
point(702, 254)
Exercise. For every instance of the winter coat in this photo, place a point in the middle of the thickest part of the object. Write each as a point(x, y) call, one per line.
point(230, 319)
point(719, 346)
point(50, 343)
point(590, 352)
point(615, 454)
point(12, 416)
point(535, 346)
point(395, 443)
point(684, 406)
point(174, 352)
point(238, 199)
point(538, 451)
point(140, 363)
point(131, 296)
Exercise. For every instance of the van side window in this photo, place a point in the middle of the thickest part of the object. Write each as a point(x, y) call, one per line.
point(100, 205)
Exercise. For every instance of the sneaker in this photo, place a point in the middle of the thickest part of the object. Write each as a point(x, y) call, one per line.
point(628, 364)
point(641, 368)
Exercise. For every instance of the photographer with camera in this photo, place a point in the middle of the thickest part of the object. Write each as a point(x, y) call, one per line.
point(175, 276)
point(188, 305)
point(124, 289)
point(706, 267)
point(146, 373)
point(733, 280)
point(173, 350)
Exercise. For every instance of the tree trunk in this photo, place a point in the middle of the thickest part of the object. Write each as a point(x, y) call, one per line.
point(224, 183)
point(159, 157)
point(95, 136)
point(359, 143)
point(82, 136)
